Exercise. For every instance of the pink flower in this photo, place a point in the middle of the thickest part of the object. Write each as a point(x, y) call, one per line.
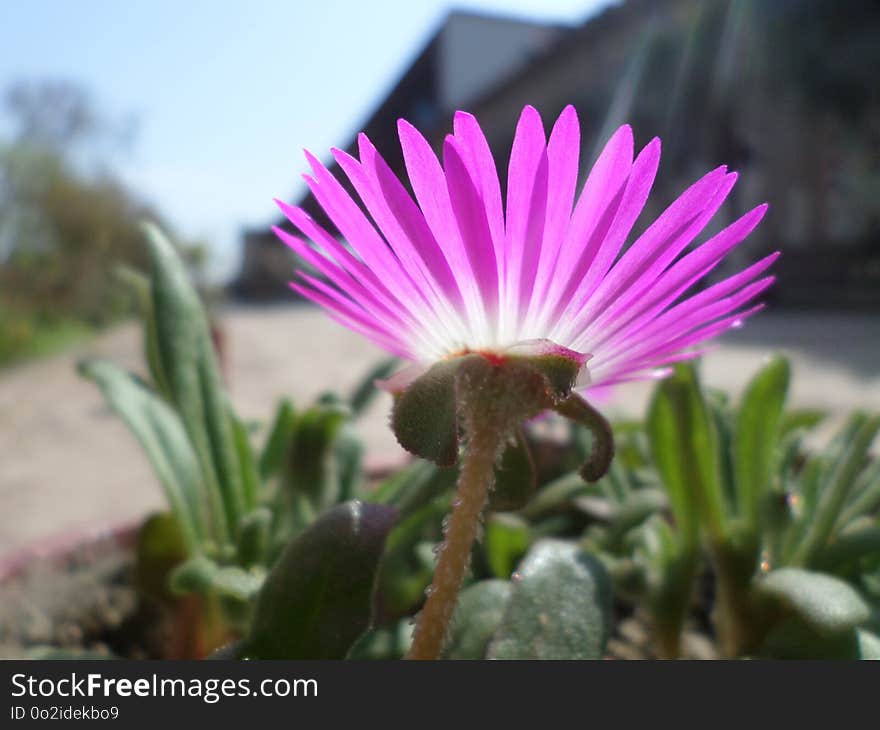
point(457, 269)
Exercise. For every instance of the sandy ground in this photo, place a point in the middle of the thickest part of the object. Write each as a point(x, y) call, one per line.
point(68, 464)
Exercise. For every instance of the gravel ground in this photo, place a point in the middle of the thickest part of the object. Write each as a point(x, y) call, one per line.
point(68, 464)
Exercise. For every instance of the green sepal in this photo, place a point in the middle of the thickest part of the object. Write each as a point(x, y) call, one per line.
point(424, 417)
point(425, 413)
point(560, 371)
point(602, 448)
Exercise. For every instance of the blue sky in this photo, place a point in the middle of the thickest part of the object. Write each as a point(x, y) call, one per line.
point(227, 93)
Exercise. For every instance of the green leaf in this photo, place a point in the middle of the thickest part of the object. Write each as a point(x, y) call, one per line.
point(477, 616)
point(634, 510)
point(757, 432)
point(833, 495)
point(851, 545)
point(685, 450)
point(514, 477)
point(406, 569)
point(254, 538)
point(507, 538)
point(676, 565)
point(278, 441)
point(869, 645)
point(311, 465)
point(560, 607)
point(163, 438)
point(803, 419)
point(390, 642)
point(140, 285)
point(825, 603)
point(250, 476)
point(865, 496)
point(414, 486)
point(241, 585)
point(424, 417)
point(793, 638)
point(196, 575)
point(318, 598)
point(366, 390)
point(160, 548)
point(555, 496)
point(348, 452)
point(187, 360)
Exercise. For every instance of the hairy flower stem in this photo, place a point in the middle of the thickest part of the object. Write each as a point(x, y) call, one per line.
point(493, 399)
point(476, 479)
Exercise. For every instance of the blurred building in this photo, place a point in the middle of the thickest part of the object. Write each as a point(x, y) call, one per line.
point(784, 92)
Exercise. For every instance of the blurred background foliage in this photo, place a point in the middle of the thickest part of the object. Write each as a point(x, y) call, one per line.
point(66, 219)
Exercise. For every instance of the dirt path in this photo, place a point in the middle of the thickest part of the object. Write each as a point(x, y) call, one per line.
point(66, 463)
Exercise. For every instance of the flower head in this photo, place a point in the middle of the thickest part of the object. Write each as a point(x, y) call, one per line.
point(458, 269)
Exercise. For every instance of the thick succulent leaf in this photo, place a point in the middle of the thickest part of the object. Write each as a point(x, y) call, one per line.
point(851, 545)
point(311, 466)
point(865, 497)
point(233, 582)
point(140, 284)
point(676, 565)
point(832, 497)
point(196, 575)
point(187, 360)
point(250, 475)
point(163, 438)
point(634, 510)
point(802, 419)
point(254, 537)
point(414, 486)
point(556, 496)
point(203, 576)
point(795, 639)
point(407, 566)
point(685, 450)
point(560, 607)
point(160, 548)
point(825, 603)
point(477, 616)
point(389, 642)
point(515, 479)
point(757, 430)
point(278, 441)
point(318, 598)
point(424, 418)
point(869, 645)
point(507, 538)
point(348, 453)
